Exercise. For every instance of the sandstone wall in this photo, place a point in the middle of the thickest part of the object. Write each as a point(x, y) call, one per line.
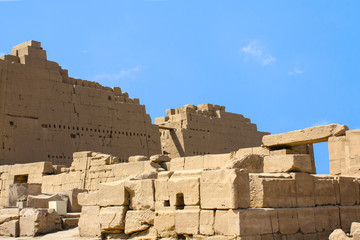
point(45, 115)
point(205, 129)
point(344, 153)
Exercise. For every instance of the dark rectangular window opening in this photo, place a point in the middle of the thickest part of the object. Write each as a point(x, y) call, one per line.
point(21, 178)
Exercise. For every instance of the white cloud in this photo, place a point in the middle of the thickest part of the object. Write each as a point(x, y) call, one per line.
point(296, 71)
point(254, 51)
point(321, 122)
point(123, 73)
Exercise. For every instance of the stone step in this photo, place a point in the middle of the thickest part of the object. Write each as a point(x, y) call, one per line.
point(70, 222)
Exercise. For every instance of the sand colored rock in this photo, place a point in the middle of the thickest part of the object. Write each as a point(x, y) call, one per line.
point(288, 163)
point(187, 221)
point(42, 200)
point(205, 129)
point(113, 194)
point(305, 136)
point(224, 189)
point(338, 234)
point(84, 115)
point(112, 219)
point(137, 221)
point(89, 223)
point(38, 221)
point(21, 191)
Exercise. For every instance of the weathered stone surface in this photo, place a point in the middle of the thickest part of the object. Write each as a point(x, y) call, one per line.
point(207, 220)
point(88, 198)
point(306, 219)
point(164, 223)
point(112, 219)
point(38, 221)
point(349, 190)
point(305, 136)
point(137, 158)
point(89, 223)
point(42, 200)
point(338, 234)
point(113, 194)
point(245, 222)
point(9, 228)
point(288, 163)
point(326, 190)
point(140, 193)
point(137, 221)
point(184, 190)
point(355, 227)
point(304, 183)
point(187, 221)
point(252, 163)
point(288, 220)
point(73, 204)
point(20, 192)
point(224, 189)
point(159, 158)
point(270, 191)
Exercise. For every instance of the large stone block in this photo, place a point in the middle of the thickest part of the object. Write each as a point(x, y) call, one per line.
point(112, 219)
point(10, 228)
point(326, 190)
point(224, 189)
point(184, 191)
point(306, 219)
point(187, 221)
point(349, 214)
point(164, 223)
point(270, 190)
point(38, 221)
point(88, 198)
point(207, 220)
point(349, 190)
point(141, 194)
point(136, 221)
point(113, 194)
point(42, 200)
point(288, 163)
point(305, 196)
point(72, 194)
point(288, 220)
point(326, 218)
point(20, 192)
point(245, 222)
point(89, 223)
point(305, 136)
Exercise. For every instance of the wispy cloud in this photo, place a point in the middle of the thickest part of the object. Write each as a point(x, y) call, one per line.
point(123, 73)
point(296, 71)
point(254, 51)
point(2, 54)
point(321, 122)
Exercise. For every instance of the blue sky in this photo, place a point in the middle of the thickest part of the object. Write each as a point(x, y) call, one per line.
point(287, 65)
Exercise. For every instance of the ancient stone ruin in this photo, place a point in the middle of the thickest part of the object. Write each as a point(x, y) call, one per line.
point(77, 154)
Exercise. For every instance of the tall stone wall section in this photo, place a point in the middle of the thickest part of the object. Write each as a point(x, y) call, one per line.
point(205, 129)
point(45, 115)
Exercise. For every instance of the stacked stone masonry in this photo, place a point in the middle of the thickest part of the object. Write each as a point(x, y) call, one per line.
point(46, 115)
point(205, 129)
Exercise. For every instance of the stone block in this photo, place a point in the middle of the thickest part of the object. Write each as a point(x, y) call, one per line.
point(326, 218)
point(159, 158)
point(288, 220)
point(245, 222)
point(177, 164)
point(355, 227)
point(140, 193)
point(326, 190)
point(38, 221)
point(59, 206)
point(349, 190)
point(42, 200)
point(136, 221)
point(194, 162)
point(89, 223)
point(184, 191)
point(224, 189)
point(268, 191)
point(305, 136)
point(207, 220)
point(137, 158)
point(306, 219)
point(349, 214)
point(215, 161)
point(305, 196)
point(72, 194)
point(187, 221)
point(10, 228)
point(288, 163)
point(252, 163)
point(113, 194)
point(164, 223)
point(112, 219)
point(20, 192)
point(338, 234)
point(88, 198)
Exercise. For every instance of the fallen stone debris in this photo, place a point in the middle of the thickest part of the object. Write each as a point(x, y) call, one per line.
point(198, 173)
